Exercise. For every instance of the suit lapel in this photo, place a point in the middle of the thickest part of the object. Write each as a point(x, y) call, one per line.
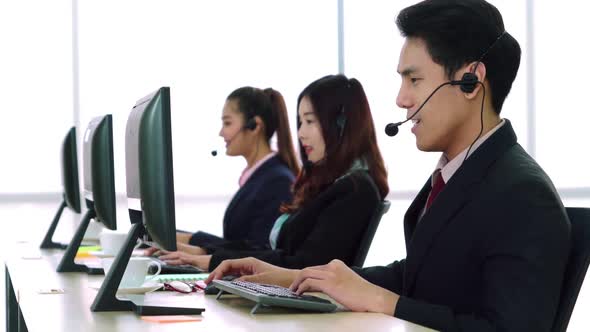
point(229, 211)
point(461, 188)
point(414, 211)
point(245, 190)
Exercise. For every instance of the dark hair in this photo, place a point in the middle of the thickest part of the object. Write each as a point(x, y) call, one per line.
point(270, 106)
point(457, 32)
point(342, 109)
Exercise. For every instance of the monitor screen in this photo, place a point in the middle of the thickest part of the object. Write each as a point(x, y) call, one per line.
point(99, 170)
point(69, 171)
point(149, 169)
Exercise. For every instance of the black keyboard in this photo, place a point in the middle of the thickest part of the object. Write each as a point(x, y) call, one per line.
point(271, 295)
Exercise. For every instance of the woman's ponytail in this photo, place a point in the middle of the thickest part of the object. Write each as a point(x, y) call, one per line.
point(284, 141)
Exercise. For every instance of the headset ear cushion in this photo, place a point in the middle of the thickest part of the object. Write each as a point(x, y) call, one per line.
point(468, 82)
point(341, 121)
point(250, 124)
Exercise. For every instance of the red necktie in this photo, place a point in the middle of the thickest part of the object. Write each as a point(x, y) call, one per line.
point(437, 187)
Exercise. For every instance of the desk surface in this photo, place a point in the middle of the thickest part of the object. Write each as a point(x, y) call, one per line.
point(71, 311)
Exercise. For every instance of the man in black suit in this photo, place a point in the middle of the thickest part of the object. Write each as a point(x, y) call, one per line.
point(487, 237)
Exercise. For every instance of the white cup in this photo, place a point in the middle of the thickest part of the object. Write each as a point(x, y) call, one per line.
point(111, 242)
point(93, 231)
point(136, 271)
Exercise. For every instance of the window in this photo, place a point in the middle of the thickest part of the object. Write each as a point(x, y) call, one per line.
point(36, 90)
point(562, 116)
point(203, 51)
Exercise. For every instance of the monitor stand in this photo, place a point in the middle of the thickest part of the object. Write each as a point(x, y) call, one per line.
point(106, 299)
point(67, 263)
point(47, 242)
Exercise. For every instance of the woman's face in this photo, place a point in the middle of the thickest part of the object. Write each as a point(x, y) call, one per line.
point(310, 132)
point(231, 130)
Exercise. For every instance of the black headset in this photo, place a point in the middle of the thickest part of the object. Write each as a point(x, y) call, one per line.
point(250, 124)
point(341, 118)
point(469, 80)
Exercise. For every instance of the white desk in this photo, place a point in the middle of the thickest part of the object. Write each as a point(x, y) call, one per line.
point(71, 311)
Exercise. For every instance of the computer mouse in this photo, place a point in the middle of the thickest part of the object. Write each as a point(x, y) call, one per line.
point(229, 277)
point(212, 290)
point(181, 286)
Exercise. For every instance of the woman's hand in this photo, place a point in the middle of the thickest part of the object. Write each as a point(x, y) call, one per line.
point(183, 258)
point(183, 237)
point(190, 249)
point(254, 270)
point(187, 248)
point(151, 251)
point(346, 287)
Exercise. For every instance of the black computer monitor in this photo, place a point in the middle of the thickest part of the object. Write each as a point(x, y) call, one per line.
point(99, 170)
point(150, 197)
point(99, 188)
point(148, 168)
point(71, 187)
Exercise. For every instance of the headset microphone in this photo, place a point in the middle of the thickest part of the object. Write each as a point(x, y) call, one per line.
point(467, 84)
point(392, 129)
point(250, 125)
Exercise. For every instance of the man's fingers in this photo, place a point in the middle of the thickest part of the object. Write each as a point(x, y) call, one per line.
point(309, 273)
point(311, 285)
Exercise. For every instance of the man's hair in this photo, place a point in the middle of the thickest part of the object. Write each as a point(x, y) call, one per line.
point(457, 32)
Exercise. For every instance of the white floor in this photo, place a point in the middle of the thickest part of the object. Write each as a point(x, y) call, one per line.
point(387, 245)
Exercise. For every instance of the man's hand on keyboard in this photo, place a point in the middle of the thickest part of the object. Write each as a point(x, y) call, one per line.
point(254, 270)
point(346, 287)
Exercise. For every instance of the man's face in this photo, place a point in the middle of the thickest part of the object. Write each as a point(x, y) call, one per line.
point(442, 123)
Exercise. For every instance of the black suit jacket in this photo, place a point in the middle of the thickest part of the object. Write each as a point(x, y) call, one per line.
point(328, 227)
point(490, 253)
point(254, 208)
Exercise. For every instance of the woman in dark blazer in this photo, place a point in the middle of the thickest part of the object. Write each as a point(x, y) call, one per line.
point(250, 118)
point(336, 194)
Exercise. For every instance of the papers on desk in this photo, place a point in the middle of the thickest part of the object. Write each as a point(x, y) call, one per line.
point(50, 291)
point(148, 287)
point(189, 277)
point(31, 256)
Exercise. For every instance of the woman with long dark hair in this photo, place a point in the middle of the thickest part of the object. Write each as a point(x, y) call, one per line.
point(335, 195)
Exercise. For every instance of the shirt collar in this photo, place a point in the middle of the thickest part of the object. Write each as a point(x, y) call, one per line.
point(247, 173)
point(448, 168)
